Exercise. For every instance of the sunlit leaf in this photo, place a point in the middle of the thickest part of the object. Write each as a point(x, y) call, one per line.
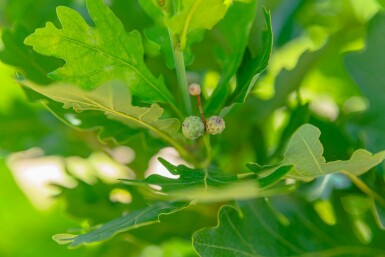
point(98, 54)
point(193, 15)
point(304, 152)
point(114, 101)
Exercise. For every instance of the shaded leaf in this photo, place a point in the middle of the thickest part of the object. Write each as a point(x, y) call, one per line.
point(290, 227)
point(247, 73)
point(92, 202)
point(26, 126)
point(98, 54)
point(252, 66)
point(32, 65)
point(136, 219)
point(232, 36)
point(366, 69)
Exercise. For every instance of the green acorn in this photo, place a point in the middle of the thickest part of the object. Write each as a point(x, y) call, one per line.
point(215, 125)
point(193, 127)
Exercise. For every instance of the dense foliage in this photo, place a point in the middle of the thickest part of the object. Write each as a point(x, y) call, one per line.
point(287, 162)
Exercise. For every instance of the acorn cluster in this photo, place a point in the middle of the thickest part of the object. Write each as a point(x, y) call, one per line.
point(194, 127)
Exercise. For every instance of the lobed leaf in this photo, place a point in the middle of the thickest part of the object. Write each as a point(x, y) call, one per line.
point(114, 101)
point(206, 185)
point(304, 152)
point(133, 220)
point(187, 178)
point(95, 55)
point(256, 228)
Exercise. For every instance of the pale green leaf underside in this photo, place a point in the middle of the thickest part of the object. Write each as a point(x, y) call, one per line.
point(98, 54)
point(125, 223)
point(114, 100)
point(305, 153)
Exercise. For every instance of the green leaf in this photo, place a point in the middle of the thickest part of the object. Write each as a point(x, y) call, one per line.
point(232, 36)
point(114, 101)
point(289, 228)
point(304, 152)
point(206, 185)
point(133, 220)
point(160, 36)
point(187, 178)
point(366, 69)
point(98, 54)
point(251, 66)
point(193, 15)
point(248, 71)
point(276, 176)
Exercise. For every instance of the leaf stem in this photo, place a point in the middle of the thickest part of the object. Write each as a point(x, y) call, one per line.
point(206, 139)
point(181, 73)
point(201, 110)
point(364, 188)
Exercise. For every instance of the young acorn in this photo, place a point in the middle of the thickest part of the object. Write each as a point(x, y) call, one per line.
point(193, 127)
point(215, 125)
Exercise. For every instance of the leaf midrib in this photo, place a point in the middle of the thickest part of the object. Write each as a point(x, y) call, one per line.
point(122, 61)
point(97, 106)
point(318, 165)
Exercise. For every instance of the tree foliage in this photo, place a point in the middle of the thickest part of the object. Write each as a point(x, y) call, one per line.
point(98, 92)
